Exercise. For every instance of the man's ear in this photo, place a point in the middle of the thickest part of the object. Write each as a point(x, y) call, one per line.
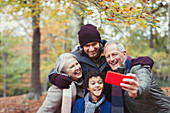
point(88, 88)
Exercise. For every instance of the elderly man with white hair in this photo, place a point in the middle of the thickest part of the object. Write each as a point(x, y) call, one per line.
point(143, 94)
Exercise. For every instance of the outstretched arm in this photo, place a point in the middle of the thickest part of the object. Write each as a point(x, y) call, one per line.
point(139, 86)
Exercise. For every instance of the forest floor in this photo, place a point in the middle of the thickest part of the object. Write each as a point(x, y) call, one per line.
point(19, 104)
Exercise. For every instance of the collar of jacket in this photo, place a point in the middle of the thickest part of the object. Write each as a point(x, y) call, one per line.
point(98, 60)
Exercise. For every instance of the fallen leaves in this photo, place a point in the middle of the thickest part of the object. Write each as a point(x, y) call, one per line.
point(166, 90)
point(19, 104)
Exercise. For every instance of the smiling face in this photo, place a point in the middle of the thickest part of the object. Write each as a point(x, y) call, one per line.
point(92, 49)
point(114, 56)
point(73, 68)
point(95, 86)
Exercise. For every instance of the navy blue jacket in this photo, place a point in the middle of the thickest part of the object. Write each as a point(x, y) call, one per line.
point(79, 106)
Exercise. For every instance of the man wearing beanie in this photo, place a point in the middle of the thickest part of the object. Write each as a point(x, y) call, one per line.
point(90, 56)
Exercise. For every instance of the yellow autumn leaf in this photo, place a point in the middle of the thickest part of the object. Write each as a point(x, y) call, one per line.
point(156, 21)
point(114, 5)
point(144, 26)
point(81, 13)
point(102, 3)
point(139, 19)
point(130, 18)
point(153, 26)
point(91, 13)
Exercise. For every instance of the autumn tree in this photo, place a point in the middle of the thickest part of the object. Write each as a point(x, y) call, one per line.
point(33, 8)
point(35, 90)
point(14, 62)
point(30, 8)
point(169, 37)
point(137, 22)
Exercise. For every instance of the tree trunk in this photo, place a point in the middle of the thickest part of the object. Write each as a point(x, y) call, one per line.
point(151, 37)
point(5, 77)
point(151, 33)
point(169, 37)
point(5, 85)
point(76, 23)
point(35, 90)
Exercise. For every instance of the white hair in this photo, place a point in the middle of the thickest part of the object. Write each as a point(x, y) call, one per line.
point(119, 45)
point(60, 64)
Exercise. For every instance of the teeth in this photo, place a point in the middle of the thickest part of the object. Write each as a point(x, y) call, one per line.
point(77, 72)
point(114, 63)
point(91, 53)
point(96, 89)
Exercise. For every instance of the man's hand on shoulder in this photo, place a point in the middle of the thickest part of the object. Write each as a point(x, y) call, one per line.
point(60, 80)
point(143, 60)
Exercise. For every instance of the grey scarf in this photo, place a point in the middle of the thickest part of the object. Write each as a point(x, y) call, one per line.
point(89, 106)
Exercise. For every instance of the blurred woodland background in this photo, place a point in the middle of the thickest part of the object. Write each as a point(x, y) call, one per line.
point(33, 33)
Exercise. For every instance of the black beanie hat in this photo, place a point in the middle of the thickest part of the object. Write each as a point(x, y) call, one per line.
point(88, 33)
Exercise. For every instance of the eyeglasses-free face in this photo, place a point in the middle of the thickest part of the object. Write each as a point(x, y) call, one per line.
point(114, 56)
point(73, 68)
point(92, 49)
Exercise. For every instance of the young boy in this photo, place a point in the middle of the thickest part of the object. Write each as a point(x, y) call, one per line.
point(94, 101)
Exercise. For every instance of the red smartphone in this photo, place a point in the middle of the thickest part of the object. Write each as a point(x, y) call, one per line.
point(115, 78)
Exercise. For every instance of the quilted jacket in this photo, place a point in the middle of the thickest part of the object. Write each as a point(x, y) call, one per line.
point(151, 98)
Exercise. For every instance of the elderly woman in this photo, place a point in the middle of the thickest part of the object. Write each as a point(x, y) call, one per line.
point(61, 100)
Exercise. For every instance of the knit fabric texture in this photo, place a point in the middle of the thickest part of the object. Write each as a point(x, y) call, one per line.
point(143, 60)
point(88, 33)
point(117, 97)
point(89, 106)
point(68, 98)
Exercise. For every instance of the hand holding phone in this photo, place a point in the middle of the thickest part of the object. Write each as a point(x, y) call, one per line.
point(115, 78)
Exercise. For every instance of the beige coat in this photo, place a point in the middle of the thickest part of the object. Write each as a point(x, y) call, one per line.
point(53, 101)
point(56, 98)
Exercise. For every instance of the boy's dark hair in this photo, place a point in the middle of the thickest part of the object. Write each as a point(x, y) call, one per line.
point(93, 73)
